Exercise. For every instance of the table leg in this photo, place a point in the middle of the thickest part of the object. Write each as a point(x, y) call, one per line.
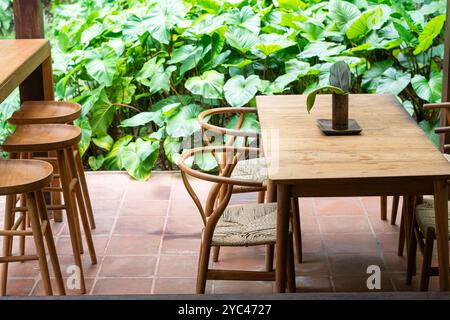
point(441, 216)
point(383, 207)
point(283, 200)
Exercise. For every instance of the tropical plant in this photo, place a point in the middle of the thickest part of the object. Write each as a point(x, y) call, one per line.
point(340, 83)
point(144, 69)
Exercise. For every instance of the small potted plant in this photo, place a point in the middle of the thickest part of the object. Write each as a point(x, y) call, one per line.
point(340, 84)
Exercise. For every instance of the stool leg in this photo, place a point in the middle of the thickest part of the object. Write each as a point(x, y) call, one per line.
point(56, 196)
point(394, 211)
point(70, 210)
point(50, 242)
point(84, 188)
point(7, 243)
point(81, 205)
point(38, 241)
point(383, 207)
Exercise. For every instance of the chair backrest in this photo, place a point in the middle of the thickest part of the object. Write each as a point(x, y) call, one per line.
point(229, 137)
point(222, 188)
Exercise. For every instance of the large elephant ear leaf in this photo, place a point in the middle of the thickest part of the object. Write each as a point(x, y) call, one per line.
point(101, 64)
point(209, 85)
point(428, 90)
point(185, 122)
point(341, 76)
point(241, 39)
point(431, 30)
point(139, 157)
point(364, 23)
point(393, 81)
point(272, 42)
point(239, 90)
point(102, 115)
point(342, 12)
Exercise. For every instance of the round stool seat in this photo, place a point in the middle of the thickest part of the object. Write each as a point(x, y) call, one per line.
point(42, 137)
point(21, 176)
point(39, 112)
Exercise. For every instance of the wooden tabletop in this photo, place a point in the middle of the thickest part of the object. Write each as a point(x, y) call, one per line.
point(391, 143)
point(18, 59)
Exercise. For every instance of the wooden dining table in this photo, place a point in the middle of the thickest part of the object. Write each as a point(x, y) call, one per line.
point(391, 156)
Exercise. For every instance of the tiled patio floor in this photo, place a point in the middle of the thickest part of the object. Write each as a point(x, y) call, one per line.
point(147, 239)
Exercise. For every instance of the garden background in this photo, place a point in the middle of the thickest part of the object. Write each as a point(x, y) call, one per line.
point(143, 70)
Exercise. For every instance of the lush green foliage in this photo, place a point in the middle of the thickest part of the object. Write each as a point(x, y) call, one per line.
point(143, 69)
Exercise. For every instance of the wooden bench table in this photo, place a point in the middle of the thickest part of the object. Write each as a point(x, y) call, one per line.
point(392, 156)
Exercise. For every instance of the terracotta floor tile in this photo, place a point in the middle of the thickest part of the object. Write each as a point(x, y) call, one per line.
point(39, 290)
point(312, 243)
point(345, 224)
point(313, 264)
point(23, 270)
point(248, 262)
point(153, 192)
point(177, 266)
point(313, 284)
point(105, 208)
point(181, 244)
point(134, 245)
point(243, 287)
point(373, 207)
point(379, 225)
point(354, 264)
point(388, 241)
point(133, 225)
point(67, 262)
point(128, 266)
point(174, 286)
point(122, 286)
point(184, 225)
point(308, 224)
point(184, 208)
point(111, 192)
point(103, 226)
point(64, 245)
point(338, 206)
point(19, 287)
point(306, 206)
point(359, 284)
point(349, 242)
point(144, 208)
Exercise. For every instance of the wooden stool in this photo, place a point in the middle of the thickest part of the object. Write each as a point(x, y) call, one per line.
point(62, 112)
point(61, 139)
point(28, 177)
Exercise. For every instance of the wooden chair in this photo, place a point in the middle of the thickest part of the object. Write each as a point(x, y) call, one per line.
point(56, 112)
point(423, 224)
point(28, 177)
point(232, 225)
point(60, 139)
point(254, 169)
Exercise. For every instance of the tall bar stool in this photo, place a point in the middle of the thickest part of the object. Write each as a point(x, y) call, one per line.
point(28, 177)
point(61, 139)
point(56, 112)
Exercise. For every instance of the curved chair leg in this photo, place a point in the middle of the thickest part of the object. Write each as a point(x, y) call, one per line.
point(395, 201)
point(291, 285)
point(427, 257)
point(383, 207)
point(296, 228)
point(202, 272)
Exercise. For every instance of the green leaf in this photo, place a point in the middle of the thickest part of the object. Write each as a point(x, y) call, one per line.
point(101, 64)
point(86, 133)
point(432, 29)
point(188, 55)
point(205, 161)
point(364, 23)
point(241, 39)
point(272, 42)
point(239, 90)
point(393, 81)
point(105, 142)
point(341, 76)
point(91, 33)
point(209, 85)
point(342, 12)
point(96, 162)
point(428, 90)
point(321, 49)
point(185, 122)
point(311, 98)
point(429, 130)
point(291, 4)
point(139, 157)
point(244, 18)
point(372, 76)
point(172, 148)
point(141, 119)
point(113, 160)
point(102, 115)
